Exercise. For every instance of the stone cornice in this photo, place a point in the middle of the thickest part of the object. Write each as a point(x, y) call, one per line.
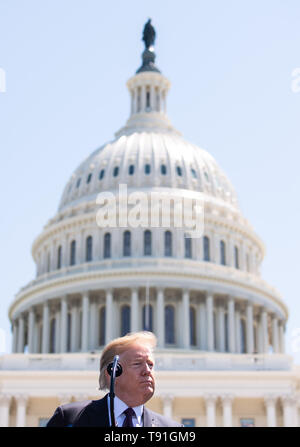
point(170, 270)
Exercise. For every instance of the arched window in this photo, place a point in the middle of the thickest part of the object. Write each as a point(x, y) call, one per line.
point(187, 247)
point(107, 245)
point(101, 174)
point(168, 243)
point(236, 257)
point(125, 320)
point(89, 248)
point(52, 335)
point(147, 318)
point(147, 168)
point(126, 243)
point(243, 335)
point(131, 170)
point(59, 257)
point(73, 253)
point(163, 169)
point(192, 326)
point(169, 325)
point(89, 177)
point(147, 243)
point(102, 321)
point(223, 252)
point(78, 183)
point(116, 171)
point(148, 98)
point(179, 171)
point(194, 173)
point(206, 249)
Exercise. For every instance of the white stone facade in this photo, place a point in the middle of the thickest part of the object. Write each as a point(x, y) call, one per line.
point(220, 326)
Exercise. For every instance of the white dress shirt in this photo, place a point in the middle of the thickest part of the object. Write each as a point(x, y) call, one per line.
point(120, 407)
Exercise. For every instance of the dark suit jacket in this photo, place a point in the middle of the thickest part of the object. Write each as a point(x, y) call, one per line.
point(94, 413)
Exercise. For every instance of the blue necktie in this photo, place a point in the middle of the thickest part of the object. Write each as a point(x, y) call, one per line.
point(129, 413)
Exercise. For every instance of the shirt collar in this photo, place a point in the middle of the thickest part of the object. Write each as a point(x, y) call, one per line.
point(120, 407)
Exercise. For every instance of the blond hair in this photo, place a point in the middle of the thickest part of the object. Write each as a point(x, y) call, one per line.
point(118, 346)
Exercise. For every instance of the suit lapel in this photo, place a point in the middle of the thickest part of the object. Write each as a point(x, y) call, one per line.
point(149, 418)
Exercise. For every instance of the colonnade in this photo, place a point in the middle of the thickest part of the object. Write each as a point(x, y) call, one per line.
point(287, 403)
point(201, 320)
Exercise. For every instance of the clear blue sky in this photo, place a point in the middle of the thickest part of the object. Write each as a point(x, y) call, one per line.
point(230, 64)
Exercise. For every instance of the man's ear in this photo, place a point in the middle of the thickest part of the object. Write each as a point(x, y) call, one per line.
point(107, 379)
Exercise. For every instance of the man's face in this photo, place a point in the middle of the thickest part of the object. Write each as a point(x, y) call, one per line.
point(136, 384)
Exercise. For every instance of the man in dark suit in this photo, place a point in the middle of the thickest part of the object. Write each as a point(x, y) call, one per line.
point(133, 388)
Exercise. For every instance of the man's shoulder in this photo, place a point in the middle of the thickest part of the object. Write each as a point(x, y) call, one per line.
point(70, 414)
point(158, 420)
point(65, 415)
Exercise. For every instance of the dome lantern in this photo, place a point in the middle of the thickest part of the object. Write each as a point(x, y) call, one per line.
point(148, 92)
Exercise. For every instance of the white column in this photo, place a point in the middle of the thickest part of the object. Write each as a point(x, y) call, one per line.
point(15, 336)
point(57, 330)
point(186, 318)
point(21, 401)
point(260, 347)
point(85, 322)
point(249, 328)
point(281, 337)
point(108, 316)
point(167, 405)
point(231, 325)
point(270, 403)
point(215, 255)
point(160, 312)
point(238, 331)
point(21, 329)
point(152, 98)
point(94, 332)
point(242, 257)
point(135, 100)
point(74, 327)
point(165, 101)
point(289, 410)
point(53, 255)
point(46, 331)
point(210, 400)
point(210, 322)
point(63, 324)
point(227, 400)
point(220, 328)
point(5, 400)
point(275, 334)
point(264, 322)
point(134, 313)
point(202, 331)
point(31, 322)
point(230, 252)
point(143, 98)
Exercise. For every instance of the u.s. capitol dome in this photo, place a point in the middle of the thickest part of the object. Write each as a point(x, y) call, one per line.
point(220, 326)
